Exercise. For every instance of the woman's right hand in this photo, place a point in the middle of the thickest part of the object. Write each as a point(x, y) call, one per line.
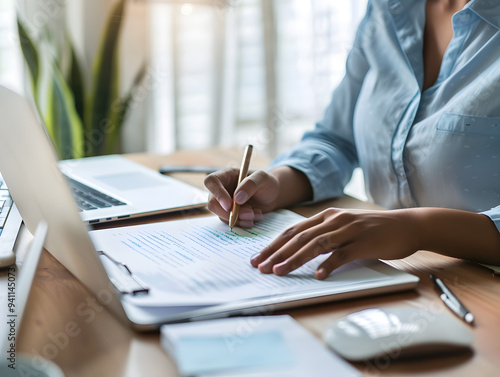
point(257, 194)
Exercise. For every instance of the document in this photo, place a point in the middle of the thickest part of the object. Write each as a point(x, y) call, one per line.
point(200, 261)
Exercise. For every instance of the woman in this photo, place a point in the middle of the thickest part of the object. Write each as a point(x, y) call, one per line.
point(419, 112)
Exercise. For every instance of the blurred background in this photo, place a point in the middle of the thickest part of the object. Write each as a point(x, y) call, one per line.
point(218, 72)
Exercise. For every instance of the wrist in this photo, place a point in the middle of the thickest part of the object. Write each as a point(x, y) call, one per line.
point(293, 186)
point(456, 233)
point(412, 221)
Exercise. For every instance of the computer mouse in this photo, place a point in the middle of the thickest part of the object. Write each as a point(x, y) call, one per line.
point(397, 332)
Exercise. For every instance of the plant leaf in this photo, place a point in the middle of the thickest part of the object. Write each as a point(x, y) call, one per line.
point(121, 110)
point(98, 118)
point(64, 121)
point(75, 82)
point(31, 56)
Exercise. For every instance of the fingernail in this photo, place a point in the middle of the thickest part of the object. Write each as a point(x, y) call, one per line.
point(280, 269)
point(241, 197)
point(321, 273)
point(245, 224)
point(226, 204)
point(264, 267)
point(254, 259)
point(247, 216)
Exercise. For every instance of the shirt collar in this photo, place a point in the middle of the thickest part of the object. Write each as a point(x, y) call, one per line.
point(488, 10)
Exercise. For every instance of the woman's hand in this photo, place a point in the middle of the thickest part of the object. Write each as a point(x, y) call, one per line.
point(258, 193)
point(346, 234)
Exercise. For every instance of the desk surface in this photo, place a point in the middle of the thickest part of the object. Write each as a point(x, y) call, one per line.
point(63, 322)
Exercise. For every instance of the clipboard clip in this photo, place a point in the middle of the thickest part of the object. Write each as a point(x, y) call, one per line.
point(127, 282)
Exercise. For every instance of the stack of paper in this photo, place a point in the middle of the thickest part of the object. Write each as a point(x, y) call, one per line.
point(250, 347)
point(201, 262)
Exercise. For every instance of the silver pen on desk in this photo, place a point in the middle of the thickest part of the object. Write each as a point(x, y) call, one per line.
point(452, 302)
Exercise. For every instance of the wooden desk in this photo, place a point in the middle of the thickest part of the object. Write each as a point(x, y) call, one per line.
point(64, 323)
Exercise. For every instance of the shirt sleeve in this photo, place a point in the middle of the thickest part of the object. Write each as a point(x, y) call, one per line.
point(327, 155)
point(494, 215)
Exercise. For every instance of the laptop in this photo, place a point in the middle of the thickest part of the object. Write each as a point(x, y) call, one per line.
point(110, 188)
point(15, 287)
point(29, 166)
point(23, 275)
point(10, 223)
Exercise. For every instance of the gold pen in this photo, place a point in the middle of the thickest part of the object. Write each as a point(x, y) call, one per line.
point(233, 216)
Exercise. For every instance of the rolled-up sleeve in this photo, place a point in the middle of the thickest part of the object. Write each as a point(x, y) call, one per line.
point(494, 215)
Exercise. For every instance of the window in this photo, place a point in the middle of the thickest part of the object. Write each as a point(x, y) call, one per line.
point(223, 72)
point(10, 59)
point(247, 70)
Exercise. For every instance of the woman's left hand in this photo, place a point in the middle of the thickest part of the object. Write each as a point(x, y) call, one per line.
point(346, 234)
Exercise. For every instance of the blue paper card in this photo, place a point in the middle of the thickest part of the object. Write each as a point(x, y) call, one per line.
point(208, 354)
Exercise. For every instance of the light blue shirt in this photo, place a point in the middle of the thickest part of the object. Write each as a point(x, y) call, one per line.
point(438, 147)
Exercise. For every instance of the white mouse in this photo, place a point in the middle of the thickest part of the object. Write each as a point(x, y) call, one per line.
point(396, 332)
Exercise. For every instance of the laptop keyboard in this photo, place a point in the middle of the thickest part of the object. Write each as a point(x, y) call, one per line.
point(5, 204)
point(10, 220)
point(88, 199)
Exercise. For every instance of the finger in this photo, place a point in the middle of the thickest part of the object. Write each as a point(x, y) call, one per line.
point(258, 216)
point(320, 242)
point(280, 241)
point(242, 224)
point(339, 257)
point(215, 207)
point(245, 224)
point(299, 250)
point(307, 245)
point(219, 184)
point(246, 217)
point(295, 261)
point(246, 213)
point(249, 186)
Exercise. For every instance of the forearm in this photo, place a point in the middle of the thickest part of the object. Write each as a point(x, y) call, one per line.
point(294, 186)
point(455, 233)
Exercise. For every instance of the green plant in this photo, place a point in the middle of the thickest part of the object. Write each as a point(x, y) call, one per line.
point(80, 122)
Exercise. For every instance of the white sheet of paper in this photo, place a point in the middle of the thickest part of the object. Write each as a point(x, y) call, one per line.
point(201, 261)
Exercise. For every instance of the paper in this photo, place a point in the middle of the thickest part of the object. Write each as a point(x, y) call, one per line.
point(250, 346)
point(201, 353)
point(201, 262)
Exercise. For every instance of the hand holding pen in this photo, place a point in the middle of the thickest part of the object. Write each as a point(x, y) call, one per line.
point(253, 192)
